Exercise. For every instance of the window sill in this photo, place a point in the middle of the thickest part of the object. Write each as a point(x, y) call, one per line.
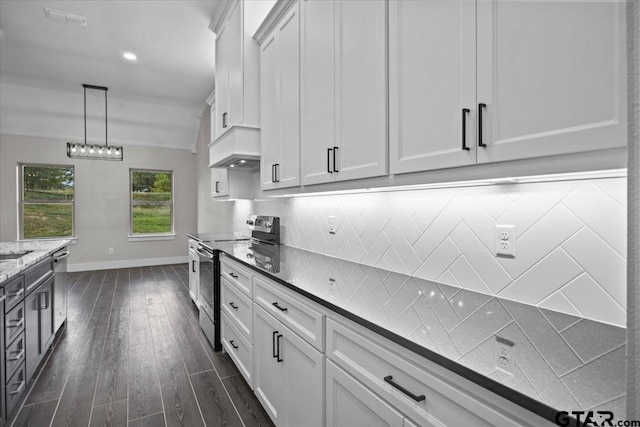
point(151, 237)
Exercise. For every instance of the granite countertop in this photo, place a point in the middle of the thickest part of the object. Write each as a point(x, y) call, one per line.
point(562, 362)
point(41, 249)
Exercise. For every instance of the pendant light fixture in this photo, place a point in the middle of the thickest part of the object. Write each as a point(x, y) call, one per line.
point(95, 151)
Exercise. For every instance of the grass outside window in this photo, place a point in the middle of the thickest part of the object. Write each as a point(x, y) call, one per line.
point(151, 202)
point(46, 201)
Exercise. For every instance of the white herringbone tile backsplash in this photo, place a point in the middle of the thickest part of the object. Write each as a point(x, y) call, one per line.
point(570, 238)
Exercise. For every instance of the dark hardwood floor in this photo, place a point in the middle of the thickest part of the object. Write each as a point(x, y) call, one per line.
point(133, 354)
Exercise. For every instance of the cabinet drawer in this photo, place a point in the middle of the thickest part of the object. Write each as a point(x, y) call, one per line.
point(16, 388)
point(14, 355)
point(438, 397)
point(236, 275)
point(14, 292)
point(238, 307)
point(14, 323)
point(38, 274)
point(297, 315)
point(238, 348)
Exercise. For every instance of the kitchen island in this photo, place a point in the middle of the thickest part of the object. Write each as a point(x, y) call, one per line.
point(37, 251)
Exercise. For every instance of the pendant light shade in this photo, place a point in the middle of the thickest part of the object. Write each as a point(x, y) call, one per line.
point(95, 151)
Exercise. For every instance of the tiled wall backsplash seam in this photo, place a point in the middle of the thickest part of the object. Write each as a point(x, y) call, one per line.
point(570, 238)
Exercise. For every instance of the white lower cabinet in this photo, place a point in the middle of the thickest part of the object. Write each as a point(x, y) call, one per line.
point(289, 374)
point(350, 403)
point(237, 347)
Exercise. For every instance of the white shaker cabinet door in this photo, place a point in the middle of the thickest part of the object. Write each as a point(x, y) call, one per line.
point(222, 83)
point(432, 84)
point(350, 403)
point(269, 127)
point(317, 97)
point(361, 88)
point(552, 77)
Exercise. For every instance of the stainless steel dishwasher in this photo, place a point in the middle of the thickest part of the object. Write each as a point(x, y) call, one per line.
point(60, 288)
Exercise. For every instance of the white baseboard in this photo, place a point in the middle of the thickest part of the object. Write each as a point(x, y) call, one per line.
point(126, 263)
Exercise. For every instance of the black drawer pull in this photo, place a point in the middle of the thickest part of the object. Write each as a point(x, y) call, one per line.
point(329, 150)
point(224, 120)
point(389, 379)
point(275, 304)
point(279, 359)
point(19, 389)
point(193, 266)
point(233, 345)
point(235, 307)
point(335, 165)
point(18, 356)
point(235, 276)
point(15, 323)
point(275, 355)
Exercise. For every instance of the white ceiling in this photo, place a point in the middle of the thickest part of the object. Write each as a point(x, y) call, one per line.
point(174, 46)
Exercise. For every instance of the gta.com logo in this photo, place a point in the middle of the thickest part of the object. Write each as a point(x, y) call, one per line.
point(592, 419)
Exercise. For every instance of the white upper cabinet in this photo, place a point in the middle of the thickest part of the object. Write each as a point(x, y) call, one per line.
point(432, 84)
point(552, 77)
point(361, 89)
point(237, 66)
point(344, 90)
point(280, 104)
point(317, 90)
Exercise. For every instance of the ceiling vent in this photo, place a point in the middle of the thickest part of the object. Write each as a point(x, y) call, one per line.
point(59, 16)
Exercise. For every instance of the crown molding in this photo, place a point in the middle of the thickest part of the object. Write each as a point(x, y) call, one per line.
point(269, 23)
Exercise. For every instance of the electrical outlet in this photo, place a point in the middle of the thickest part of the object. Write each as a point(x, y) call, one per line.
point(332, 224)
point(332, 285)
point(505, 355)
point(110, 251)
point(505, 241)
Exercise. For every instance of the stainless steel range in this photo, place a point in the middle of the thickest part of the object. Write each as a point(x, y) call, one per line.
point(264, 229)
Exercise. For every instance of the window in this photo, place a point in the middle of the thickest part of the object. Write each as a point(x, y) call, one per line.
point(46, 201)
point(151, 202)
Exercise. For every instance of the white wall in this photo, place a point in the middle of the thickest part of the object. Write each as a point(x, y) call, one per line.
point(570, 248)
point(102, 200)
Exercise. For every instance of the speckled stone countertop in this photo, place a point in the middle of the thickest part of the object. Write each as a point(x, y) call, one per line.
point(41, 249)
point(562, 362)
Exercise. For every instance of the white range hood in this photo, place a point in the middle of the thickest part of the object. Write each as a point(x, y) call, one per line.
point(238, 147)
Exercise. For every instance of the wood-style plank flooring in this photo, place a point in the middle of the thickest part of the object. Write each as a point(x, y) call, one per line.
point(133, 354)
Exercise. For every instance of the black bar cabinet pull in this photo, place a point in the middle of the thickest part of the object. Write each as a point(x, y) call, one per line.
point(273, 341)
point(224, 120)
point(193, 266)
point(481, 107)
point(389, 379)
point(335, 151)
point(329, 150)
point(465, 111)
point(275, 304)
point(235, 307)
point(273, 173)
point(233, 345)
point(235, 276)
point(217, 182)
point(277, 166)
point(278, 359)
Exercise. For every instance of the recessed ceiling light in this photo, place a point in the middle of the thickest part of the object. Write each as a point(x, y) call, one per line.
point(130, 56)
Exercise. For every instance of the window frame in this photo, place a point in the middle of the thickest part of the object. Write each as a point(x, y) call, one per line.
point(22, 202)
point(151, 236)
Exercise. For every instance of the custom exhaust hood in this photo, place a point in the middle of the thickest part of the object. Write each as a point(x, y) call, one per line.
point(239, 147)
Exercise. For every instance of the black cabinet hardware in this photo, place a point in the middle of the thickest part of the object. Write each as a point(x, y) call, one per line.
point(278, 359)
point(465, 111)
point(193, 266)
point(233, 345)
point(275, 304)
point(335, 165)
point(329, 151)
point(235, 276)
point(224, 120)
point(273, 173)
point(389, 379)
point(235, 307)
point(277, 167)
point(481, 107)
point(273, 342)
point(217, 183)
